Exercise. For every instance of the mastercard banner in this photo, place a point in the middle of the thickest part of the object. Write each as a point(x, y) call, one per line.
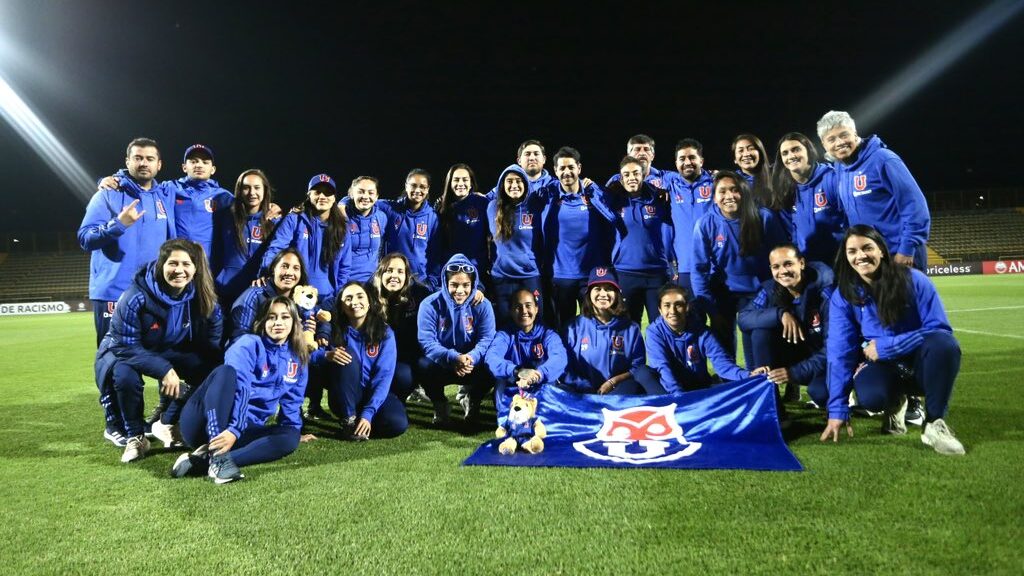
point(730, 426)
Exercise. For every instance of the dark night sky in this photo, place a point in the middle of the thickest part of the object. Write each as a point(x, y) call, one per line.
point(378, 88)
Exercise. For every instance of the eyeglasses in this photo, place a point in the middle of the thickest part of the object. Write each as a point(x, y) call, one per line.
point(456, 268)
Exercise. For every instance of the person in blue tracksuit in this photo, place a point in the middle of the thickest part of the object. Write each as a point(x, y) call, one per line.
point(125, 223)
point(454, 334)
point(530, 157)
point(577, 237)
point(318, 232)
point(413, 227)
point(286, 272)
point(241, 235)
point(643, 252)
point(515, 221)
point(690, 197)
point(360, 364)
point(462, 219)
point(788, 321)
point(198, 197)
point(527, 356)
point(889, 315)
point(641, 147)
point(263, 376)
point(818, 221)
point(605, 348)
point(167, 325)
point(875, 188)
point(366, 226)
point(401, 295)
point(730, 257)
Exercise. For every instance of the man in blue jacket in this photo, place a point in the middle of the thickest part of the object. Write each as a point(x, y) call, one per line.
point(124, 227)
point(197, 197)
point(531, 159)
point(690, 194)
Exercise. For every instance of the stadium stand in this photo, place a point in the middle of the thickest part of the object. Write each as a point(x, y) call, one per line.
point(44, 276)
point(978, 234)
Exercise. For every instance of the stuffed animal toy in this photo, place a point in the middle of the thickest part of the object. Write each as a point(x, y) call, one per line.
point(305, 299)
point(520, 427)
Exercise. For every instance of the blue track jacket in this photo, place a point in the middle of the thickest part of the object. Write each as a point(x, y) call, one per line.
point(195, 204)
point(681, 360)
point(540, 349)
point(577, 231)
point(270, 380)
point(599, 351)
point(689, 201)
point(305, 232)
point(818, 220)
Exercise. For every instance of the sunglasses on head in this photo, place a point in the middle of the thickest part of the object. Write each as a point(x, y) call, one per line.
point(456, 268)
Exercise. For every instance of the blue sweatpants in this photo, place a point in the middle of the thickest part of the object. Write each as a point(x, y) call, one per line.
point(768, 348)
point(435, 377)
point(128, 386)
point(641, 291)
point(504, 288)
point(727, 304)
point(347, 397)
point(935, 363)
point(208, 411)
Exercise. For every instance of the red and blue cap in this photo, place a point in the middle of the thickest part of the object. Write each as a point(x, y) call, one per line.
point(603, 275)
point(322, 179)
point(198, 148)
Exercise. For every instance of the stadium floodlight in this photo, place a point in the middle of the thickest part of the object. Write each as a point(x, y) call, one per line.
point(30, 127)
point(922, 70)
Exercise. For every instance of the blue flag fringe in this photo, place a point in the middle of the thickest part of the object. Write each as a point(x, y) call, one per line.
point(730, 426)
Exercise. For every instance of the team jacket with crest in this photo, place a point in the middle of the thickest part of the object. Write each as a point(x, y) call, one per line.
point(811, 309)
point(270, 380)
point(818, 219)
point(850, 325)
point(415, 234)
point(599, 351)
point(681, 360)
point(446, 330)
point(643, 231)
point(366, 236)
point(118, 251)
point(148, 322)
point(195, 203)
point(878, 190)
point(305, 232)
point(516, 257)
point(234, 269)
point(469, 230)
point(577, 232)
point(689, 201)
point(377, 365)
point(540, 349)
point(717, 261)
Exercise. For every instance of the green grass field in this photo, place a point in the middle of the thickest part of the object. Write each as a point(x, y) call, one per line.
point(872, 504)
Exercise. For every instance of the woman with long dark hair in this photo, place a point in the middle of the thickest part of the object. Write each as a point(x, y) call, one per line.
point(360, 366)
point(400, 297)
point(890, 317)
point(287, 270)
point(263, 376)
point(241, 234)
point(462, 217)
point(751, 158)
point(810, 187)
point(730, 257)
point(167, 326)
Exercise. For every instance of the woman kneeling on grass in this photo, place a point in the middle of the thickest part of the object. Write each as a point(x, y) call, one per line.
point(264, 374)
point(892, 315)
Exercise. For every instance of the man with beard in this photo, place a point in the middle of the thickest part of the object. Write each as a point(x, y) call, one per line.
point(531, 159)
point(690, 196)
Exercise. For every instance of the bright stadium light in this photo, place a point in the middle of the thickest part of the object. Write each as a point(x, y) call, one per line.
point(930, 64)
point(30, 127)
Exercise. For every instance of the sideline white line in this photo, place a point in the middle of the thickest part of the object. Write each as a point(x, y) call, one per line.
point(984, 309)
point(1014, 336)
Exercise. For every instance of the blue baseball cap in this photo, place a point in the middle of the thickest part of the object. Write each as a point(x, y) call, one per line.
point(603, 275)
point(198, 148)
point(322, 179)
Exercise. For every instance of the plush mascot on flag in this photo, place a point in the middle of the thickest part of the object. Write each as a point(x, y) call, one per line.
point(520, 427)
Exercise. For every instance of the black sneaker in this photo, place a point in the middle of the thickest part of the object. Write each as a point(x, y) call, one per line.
point(316, 412)
point(190, 464)
point(915, 412)
point(348, 430)
point(223, 469)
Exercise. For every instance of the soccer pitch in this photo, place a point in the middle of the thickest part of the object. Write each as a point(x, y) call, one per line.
point(871, 504)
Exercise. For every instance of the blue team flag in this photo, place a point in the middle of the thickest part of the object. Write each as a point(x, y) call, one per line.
point(731, 426)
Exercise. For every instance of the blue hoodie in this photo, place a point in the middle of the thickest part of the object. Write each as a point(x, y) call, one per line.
point(818, 220)
point(851, 325)
point(599, 351)
point(540, 349)
point(305, 233)
point(118, 252)
point(644, 235)
point(577, 231)
point(516, 257)
point(270, 381)
point(195, 203)
point(377, 365)
point(689, 201)
point(810, 308)
point(148, 322)
point(469, 232)
point(366, 236)
point(235, 269)
point(681, 360)
point(717, 261)
point(447, 330)
point(877, 189)
point(415, 234)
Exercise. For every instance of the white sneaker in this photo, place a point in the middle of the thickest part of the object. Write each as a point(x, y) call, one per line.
point(135, 449)
point(419, 396)
point(893, 420)
point(169, 434)
point(940, 437)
